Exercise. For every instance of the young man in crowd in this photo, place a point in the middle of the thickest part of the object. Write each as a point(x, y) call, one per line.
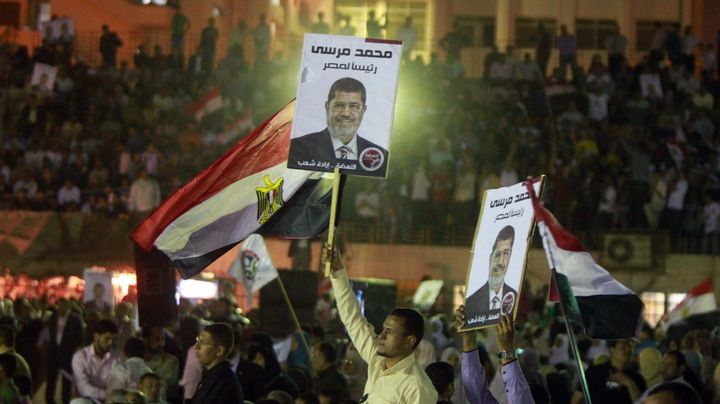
point(219, 383)
point(394, 375)
point(92, 365)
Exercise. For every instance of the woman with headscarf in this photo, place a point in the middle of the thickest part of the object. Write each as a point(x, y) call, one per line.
point(651, 366)
point(275, 378)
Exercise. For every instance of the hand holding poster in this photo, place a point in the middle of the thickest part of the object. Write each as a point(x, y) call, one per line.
point(345, 105)
point(43, 77)
point(497, 264)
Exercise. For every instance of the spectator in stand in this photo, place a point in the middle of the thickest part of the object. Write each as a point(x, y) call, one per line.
point(374, 28)
point(367, 203)
point(689, 43)
point(144, 193)
point(543, 45)
point(261, 39)
point(179, 26)
point(208, 43)
point(676, 202)
point(615, 45)
point(320, 27)
point(109, 44)
point(711, 215)
point(69, 196)
point(408, 36)
point(673, 45)
point(92, 365)
point(567, 49)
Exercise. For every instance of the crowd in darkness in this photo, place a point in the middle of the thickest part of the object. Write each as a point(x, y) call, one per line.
point(618, 154)
point(109, 140)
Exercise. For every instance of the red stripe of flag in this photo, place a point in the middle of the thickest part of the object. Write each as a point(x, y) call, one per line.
point(198, 105)
point(267, 146)
point(562, 238)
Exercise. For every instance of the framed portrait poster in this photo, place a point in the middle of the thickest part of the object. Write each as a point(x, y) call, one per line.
point(345, 105)
point(498, 256)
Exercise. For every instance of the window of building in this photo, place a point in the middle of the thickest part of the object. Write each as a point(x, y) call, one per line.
point(591, 34)
point(654, 306)
point(645, 30)
point(526, 30)
point(480, 30)
point(396, 11)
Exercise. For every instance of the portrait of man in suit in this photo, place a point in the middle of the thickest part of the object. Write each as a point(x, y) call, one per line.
point(340, 142)
point(495, 296)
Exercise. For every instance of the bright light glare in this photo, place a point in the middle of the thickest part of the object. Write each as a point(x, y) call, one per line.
point(146, 2)
point(194, 289)
point(160, 2)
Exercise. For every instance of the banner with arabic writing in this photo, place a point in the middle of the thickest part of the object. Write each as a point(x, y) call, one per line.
point(497, 263)
point(345, 105)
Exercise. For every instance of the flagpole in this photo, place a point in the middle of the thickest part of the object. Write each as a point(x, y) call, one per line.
point(333, 210)
point(573, 344)
point(292, 313)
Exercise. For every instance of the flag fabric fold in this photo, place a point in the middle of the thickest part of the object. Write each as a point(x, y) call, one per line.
point(699, 300)
point(590, 295)
point(237, 195)
point(253, 266)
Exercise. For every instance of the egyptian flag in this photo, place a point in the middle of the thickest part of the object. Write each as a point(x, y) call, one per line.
point(247, 190)
point(207, 104)
point(700, 300)
point(590, 296)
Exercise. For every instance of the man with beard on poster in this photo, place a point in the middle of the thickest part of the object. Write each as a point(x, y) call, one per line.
point(339, 142)
point(495, 296)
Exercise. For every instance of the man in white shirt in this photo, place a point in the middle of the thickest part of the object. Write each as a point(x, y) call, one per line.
point(69, 195)
point(92, 365)
point(676, 203)
point(127, 374)
point(367, 203)
point(711, 213)
point(394, 375)
point(408, 36)
point(144, 193)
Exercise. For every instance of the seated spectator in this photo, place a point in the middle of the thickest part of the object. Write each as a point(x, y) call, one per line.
point(92, 365)
point(127, 373)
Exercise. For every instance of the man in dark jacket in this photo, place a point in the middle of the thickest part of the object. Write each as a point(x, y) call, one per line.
point(219, 383)
point(66, 334)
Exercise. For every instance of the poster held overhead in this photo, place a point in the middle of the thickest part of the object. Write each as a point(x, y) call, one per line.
point(345, 105)
point(499, 254)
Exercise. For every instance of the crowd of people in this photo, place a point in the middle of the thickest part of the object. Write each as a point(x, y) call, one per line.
point(624, 146)
point(638, 140)
point(91, 352)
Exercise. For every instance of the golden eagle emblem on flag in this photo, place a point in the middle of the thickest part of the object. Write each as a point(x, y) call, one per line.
point(270, 199)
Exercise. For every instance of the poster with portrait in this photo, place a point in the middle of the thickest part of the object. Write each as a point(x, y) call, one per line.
point(499, 253)
point(651, 85)
point(43, 77)
point(345, 105)
point(427, 293)
point(98, 293)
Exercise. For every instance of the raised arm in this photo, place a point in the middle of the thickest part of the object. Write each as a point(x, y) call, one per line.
point(361, 331)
